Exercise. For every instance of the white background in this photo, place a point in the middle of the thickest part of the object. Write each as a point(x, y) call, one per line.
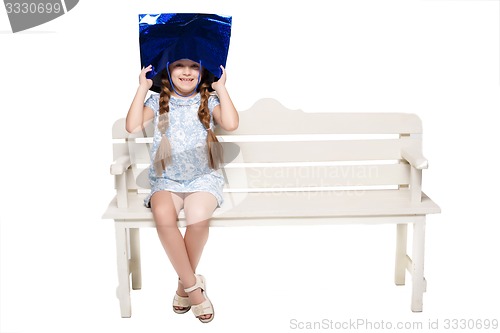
point(64, 83)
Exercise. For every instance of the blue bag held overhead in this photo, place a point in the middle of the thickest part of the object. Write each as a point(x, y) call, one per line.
point(165, 38)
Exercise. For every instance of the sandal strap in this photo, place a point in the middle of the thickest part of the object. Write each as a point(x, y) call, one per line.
point(200, 283)
point(204, 308)
point(181, 301)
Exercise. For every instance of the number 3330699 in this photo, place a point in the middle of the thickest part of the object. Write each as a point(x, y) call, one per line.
point(32, 8)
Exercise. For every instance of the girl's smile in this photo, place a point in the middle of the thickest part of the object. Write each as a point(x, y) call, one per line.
point(185, 75)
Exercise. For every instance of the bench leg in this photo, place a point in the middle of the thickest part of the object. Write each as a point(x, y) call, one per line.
point(401, 247)
point(418, 281)
point(135, 258)
point(123, 290)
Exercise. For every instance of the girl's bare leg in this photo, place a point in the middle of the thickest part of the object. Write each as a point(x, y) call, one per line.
point(198, 208)
point(165, 207)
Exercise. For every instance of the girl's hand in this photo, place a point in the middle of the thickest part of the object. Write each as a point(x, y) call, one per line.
point(221, 83)
point(143, 82)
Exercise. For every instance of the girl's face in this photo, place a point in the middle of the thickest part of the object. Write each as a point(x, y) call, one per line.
point(185, 74)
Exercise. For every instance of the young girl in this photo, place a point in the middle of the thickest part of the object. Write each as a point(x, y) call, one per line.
point(183, 172)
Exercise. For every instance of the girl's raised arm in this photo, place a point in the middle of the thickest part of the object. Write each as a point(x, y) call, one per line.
point(138, 114)
point(225, 114)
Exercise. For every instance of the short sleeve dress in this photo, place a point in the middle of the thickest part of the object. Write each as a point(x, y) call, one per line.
point(189, 170)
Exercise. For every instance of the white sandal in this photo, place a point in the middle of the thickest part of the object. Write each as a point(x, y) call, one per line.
point(181, 302)
point(205, 307)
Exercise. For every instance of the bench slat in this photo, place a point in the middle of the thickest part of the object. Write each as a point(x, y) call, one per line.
point(302, 151)
point(292, 177)
point(317, 176)
point(317, 151)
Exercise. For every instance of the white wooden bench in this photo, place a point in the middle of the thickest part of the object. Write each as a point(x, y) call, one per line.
point(287, 167)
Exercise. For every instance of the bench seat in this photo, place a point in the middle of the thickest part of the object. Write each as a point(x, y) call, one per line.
point(309, 205)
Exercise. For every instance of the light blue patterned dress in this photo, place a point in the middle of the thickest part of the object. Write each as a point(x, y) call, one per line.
point(189, 170)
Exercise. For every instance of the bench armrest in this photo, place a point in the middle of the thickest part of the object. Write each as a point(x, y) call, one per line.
point(119, 166)
point(415, 158)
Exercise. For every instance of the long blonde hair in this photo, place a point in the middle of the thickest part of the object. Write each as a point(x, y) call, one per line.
point(163, 155)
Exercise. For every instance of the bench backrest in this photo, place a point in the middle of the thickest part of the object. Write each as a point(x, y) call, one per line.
point(277, 149)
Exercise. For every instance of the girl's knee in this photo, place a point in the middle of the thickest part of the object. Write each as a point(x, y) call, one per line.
point(199, 208)
point(197, 225)
point(163, 208)
point(198, 216)
point(164, 214)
